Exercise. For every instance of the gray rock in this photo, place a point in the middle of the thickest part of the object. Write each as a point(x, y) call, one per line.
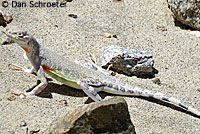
point(186, 11)
point(129, 61)
point(107, 117)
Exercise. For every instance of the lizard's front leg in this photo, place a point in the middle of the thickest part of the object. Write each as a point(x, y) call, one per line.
point(39, 88)
point(23, 69)
point(91, 87)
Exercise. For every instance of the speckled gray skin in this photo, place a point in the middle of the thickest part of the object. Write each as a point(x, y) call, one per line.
point(74, 75)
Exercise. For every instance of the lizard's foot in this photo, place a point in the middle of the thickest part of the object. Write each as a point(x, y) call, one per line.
point(86, 64)
point(29, 93)
point(19, 68)
point(22, 95)
point(93, 59)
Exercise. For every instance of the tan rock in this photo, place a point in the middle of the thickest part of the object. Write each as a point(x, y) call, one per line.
point(106, 117)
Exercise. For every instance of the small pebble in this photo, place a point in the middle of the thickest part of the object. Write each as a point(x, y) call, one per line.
point(73, 16)
point(34, 131)
point(107, 35)
point(157, 81)
point(162, 28)
point(62, 102)
point(56, 26)
point(23, 123)
point(114, 36)
point(117, 0)
point(12, 98)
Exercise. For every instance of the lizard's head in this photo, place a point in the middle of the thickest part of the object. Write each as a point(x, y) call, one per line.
point(17, 34)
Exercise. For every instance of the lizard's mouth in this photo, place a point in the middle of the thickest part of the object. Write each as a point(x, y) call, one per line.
point(11, 34)
point(6, 32)
point(3, 29)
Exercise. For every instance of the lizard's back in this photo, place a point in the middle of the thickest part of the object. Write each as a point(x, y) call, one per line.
point(67, 67)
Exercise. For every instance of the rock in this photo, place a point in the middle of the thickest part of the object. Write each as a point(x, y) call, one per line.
point(117, 0)
point(2, 22)
point(23, 123)
point(129, 61)
point(157, 81)
point(108, 35)
point(5, 19)
point(186, 11)
point(106, 117)
point(73, 16)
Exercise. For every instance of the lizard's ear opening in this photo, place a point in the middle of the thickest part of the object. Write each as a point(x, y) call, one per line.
point(30, 42)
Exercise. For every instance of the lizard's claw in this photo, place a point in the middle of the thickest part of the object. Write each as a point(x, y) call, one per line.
point(15, 67)
point(93, 58)
point(22, 69)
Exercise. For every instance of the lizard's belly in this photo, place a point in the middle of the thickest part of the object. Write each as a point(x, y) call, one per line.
point(59, 76)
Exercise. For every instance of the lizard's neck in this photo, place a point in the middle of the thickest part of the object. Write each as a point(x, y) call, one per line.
point(33, 52)
point(31, 47)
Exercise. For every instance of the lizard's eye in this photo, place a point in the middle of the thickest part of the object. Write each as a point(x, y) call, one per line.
point(20, 34)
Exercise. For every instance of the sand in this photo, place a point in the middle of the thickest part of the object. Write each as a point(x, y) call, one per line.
point(146, 24)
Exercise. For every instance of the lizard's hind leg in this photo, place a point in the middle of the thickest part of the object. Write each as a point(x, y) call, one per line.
point(91, 87)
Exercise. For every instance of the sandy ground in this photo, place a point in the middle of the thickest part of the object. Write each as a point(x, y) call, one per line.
point(136, 24)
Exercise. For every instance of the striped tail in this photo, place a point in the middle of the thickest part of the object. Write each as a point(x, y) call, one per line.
point(129, 90)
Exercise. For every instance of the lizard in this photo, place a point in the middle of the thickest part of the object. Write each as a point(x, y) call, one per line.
point(89, 80)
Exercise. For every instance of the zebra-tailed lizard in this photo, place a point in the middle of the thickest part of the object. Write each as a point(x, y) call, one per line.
point(73, 74)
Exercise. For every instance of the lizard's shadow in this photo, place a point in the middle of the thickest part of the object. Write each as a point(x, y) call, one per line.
point(60, 89)
point(166, 104)
point(68, 91)
point(63, 90)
